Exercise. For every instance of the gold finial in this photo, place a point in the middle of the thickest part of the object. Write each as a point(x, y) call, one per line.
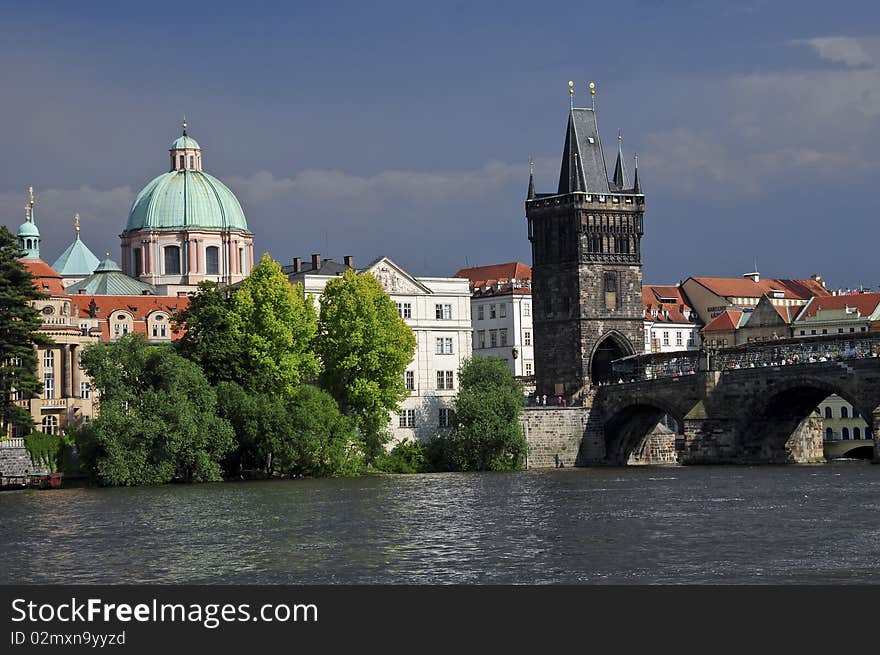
point(27, 213)
point(531, 165)
point(619, 135)
point(183, 125)
point(571, 93)
point(592, 86)
point(107, 254)
point(76, 221)
point(31, 196)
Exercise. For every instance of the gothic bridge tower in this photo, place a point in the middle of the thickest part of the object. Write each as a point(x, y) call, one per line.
point(586, 263)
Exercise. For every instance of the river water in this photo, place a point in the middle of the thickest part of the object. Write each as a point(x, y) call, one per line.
point(667, 525)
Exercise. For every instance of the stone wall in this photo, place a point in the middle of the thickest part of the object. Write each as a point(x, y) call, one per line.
point(657, 448)
point(14, 459)
point(554, 435)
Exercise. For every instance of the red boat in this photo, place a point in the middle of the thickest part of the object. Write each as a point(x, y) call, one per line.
point(44, 480)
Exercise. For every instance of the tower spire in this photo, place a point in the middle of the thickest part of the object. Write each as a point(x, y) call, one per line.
point(183, 125)
point(619, 178)
point(531, 179)
point(637, 188)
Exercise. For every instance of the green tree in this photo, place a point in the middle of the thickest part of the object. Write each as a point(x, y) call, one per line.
point(19, 321)
point(213, 335)
point(158, 417)
point(488, 435)
point(365, 347)
point(279, 325)
point(301, 434)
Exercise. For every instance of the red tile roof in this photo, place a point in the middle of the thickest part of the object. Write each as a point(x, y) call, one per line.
point(866, 303)
point(46, 279)
point(139, 306)
point(498, 278)
point(727, 320)
point(667, 312)
point(747, 288)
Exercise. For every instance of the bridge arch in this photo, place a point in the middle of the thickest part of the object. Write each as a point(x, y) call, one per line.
point(782, 422)
point(612, 345)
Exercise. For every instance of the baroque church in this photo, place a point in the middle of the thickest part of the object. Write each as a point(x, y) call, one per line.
point(586, 263)
point(185, 226)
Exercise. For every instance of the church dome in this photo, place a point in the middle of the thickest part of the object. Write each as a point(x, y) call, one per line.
point(186, 198)
point(27, 229)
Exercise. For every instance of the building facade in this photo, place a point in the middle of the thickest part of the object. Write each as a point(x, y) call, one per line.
point(438, 311)
point(671, 324)
point(586, 265)
point(501, 314)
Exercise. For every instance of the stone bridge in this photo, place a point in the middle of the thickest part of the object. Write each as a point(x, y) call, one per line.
point(752, 405)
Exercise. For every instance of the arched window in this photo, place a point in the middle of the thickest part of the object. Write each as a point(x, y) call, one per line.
point(844, 412)
point(212, 260)
point(172, 260)
point(829, 434)
point(828, 413)
point(844, 433)
point(50, 424)
point(857, 434)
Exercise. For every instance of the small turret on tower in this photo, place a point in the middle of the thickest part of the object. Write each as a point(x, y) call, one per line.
point(28, 234)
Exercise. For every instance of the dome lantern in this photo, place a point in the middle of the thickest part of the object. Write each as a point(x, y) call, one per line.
point(28, 234)
point(186, 153)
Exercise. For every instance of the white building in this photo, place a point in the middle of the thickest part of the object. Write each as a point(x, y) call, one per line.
point(501, 314)
point(438, 311)
point(671, 324)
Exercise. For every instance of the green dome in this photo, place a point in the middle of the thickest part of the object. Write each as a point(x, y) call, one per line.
point(186, 199)
point(28, 229)
point(185, 143)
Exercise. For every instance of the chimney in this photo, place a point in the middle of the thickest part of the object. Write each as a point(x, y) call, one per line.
point(349, 261)
point(316, 262)
point(755, 276)
point(818, 278)
point(297, 264)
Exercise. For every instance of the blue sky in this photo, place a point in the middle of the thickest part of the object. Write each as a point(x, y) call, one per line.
point(405, 129)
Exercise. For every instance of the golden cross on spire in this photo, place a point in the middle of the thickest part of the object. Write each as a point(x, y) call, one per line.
point(183, 125)
point(31, 196)
point(76, 221)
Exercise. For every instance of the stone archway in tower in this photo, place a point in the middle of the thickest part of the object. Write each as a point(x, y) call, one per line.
point(612, 346)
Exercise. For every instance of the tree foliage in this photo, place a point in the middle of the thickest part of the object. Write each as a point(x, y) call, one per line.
point(158, 417)
point(365, 347)
point(303, 433)
point(280, 326)
point(488, 435)
point(19, 321)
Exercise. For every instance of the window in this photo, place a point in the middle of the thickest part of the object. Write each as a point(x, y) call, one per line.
point(404, 309)
point(479, 312)
point(828, 413)
point(407, 418)
point(844, 412)
point(181, 160)
point(803, 332)
point(155, 330)
point(50, 424)
point(527, 309)
point(49, 384)
point(527, 338)
point(492, 313)
point(857, 434)
point(839, 330)
point(444, 379)
point(844, 433)
point(138, 262)
point(443, 312)
point(192, 161)
point(528, 368)
point(824, 331)
point(863, 329)
point(212, 260)
point(493, 338)
point(172, 260)
point(85, 390)
point(610, 290)
point(665, 338)
point(812, 332)
point(503, 334)
point(445, 418)
point(829, 434)
point(678, 338)
point(49, 360)
point(443, 345)
point(481, 338)
point(163, 330)
point(503, 309)
point(410, 378)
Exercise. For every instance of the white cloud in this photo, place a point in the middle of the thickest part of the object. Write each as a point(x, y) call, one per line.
point(845, 50)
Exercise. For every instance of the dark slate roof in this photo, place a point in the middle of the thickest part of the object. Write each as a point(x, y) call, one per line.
point(619, 177)
point(328, 267)
point(583, 162)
